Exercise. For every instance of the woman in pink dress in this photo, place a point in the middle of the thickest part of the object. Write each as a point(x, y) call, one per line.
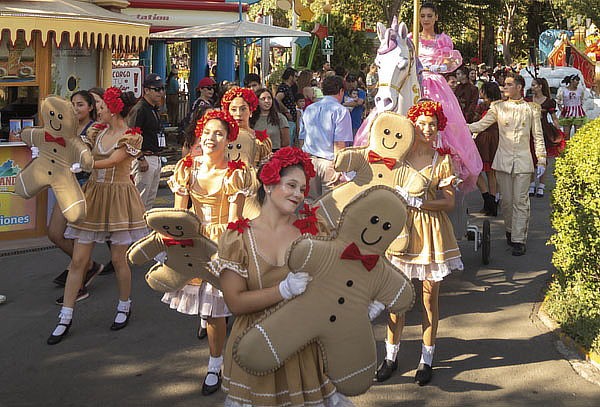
point(438, 56)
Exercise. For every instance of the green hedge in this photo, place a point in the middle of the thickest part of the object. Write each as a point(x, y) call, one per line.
point(573, 298)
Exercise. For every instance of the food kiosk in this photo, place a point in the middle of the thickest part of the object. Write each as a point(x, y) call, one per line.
point(50, 47)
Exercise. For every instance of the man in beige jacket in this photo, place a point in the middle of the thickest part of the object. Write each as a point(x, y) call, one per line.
point(517, 121)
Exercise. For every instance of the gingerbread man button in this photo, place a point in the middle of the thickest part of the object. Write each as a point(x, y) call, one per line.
point(60, 147)
point(348, 272)
point(381, 162)
point(176, 232)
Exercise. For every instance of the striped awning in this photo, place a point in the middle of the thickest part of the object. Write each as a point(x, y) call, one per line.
point(78, 22)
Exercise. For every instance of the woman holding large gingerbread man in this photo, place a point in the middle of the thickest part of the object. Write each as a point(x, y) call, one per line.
point(241, 103)
point(214, 188)
point(432, 251)
point(255, 278)
point(114, 208)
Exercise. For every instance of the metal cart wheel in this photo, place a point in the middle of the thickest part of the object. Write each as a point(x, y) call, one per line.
point(486, 242)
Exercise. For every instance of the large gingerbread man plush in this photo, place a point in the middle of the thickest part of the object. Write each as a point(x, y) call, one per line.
point(177, 233)
point(59, 148)
point(244, 150)
point(381, 162)
point(348, 272)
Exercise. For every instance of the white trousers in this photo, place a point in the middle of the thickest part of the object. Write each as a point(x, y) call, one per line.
point(147, 182)
point(515, 203)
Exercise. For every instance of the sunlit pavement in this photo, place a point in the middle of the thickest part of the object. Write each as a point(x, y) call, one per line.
point(491, 350)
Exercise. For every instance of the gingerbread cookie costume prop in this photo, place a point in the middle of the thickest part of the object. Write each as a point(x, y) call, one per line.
point(381, 162)
point(348, 272)
point(59, 148)
point(176, 232)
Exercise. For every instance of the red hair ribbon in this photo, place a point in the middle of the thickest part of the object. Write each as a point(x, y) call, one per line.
point(233, 127)
point(285, 157)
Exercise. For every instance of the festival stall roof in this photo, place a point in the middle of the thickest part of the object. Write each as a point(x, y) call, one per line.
point(237, 29)
point(81, 22)
point(558, 57)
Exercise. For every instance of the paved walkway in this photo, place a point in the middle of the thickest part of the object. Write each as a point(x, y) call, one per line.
point(492, 349)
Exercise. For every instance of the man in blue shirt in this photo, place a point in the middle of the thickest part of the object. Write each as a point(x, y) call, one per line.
point(355, 103)
point(325, 128)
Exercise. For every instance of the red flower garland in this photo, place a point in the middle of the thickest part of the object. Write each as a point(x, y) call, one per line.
point(239, 225)
point(234, 165)
point(308, 211)
point(234, 128)
point(285, 157)
point(307, 225)
point(244, 93)
point(261, 135)
point(429, 109)
point(188, 161)
point(443, 151)
point(134, 130)
point(112, 98)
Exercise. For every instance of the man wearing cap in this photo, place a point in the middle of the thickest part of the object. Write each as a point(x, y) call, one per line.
point(145, 115)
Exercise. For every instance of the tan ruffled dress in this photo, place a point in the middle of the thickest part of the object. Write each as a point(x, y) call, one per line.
point(199, 297)
point(432, 252)
point(115, 211)
point(301, 381)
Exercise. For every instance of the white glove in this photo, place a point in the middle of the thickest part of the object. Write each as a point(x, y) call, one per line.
point(75, 168)
point(294, 284)
point(375, 309)
point(539, 171)
point(35, 152)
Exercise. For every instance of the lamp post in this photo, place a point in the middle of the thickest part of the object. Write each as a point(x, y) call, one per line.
point(416, 24)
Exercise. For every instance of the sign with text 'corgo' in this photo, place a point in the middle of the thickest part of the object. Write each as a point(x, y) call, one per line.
point(327, 45)
point(128, 79)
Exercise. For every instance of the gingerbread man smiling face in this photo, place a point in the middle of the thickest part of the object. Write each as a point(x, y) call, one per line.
point(176, 232)
point(348, 273)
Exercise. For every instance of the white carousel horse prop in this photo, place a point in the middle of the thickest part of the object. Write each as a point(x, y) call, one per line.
point(397, 64)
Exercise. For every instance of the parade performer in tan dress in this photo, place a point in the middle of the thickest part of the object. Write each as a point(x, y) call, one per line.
point(432, 252)
point(241, 103)
point(212, 186)
point(114, 207)
point(255, 278)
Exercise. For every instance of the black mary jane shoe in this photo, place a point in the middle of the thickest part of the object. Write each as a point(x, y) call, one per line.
point(54, 339)
point(423, 375)
point(207, 390)
point(509, 239)
point(385, 370)
point(120, 325)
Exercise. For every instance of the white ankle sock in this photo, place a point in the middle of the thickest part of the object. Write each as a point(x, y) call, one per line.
point(65, 316)
point(498, 196)
point(203, 323)
point(427, 354)
point(124, 306)
point(214, 365)
point(541, 186)
point(391, 351)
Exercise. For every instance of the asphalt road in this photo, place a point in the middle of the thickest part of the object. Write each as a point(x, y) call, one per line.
point(492, 350)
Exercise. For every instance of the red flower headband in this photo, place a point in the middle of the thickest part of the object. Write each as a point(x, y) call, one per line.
point(429, 109)
point(244, 93)
point(285, 157)
point(233, 128)
point(112, 98)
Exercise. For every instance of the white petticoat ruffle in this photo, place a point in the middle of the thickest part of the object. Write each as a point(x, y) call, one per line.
point(336, 400)
point(204, 300)
point(431, 272)
point(118, 238)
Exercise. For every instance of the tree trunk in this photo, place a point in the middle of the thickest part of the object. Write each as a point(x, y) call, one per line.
point(510, 15)
point(489, 45)
point(393, 10)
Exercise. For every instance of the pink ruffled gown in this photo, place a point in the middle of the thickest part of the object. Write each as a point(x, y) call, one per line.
point(438, 56)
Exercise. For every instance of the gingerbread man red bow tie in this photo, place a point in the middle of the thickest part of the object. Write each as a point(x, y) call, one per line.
point(174, 242)
point(58, 140)
point(352, 252)
point(388, 162)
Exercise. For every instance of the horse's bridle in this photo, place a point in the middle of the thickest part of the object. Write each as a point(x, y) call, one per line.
point(411, 54)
